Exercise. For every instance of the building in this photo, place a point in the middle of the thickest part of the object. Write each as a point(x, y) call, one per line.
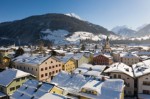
point(80, 59)
point(34, 89)
point(44, 67)
point(142, 73)
point(90, 70)
point(124, 72)
point(126, 57)
point(102, 59)
point(11, 80)
point(88, 87)
point(106, 48)
point(68, 64)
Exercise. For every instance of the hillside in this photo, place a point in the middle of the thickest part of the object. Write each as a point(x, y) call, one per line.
point(28, 30)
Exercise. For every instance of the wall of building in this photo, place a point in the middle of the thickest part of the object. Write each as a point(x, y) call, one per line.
point(129, 82)
point(48, 69)
point(69, 66)
point(141, 83)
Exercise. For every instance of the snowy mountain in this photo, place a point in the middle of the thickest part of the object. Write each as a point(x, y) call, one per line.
point(73, 15)
point(61, 36)
point(145, 30)
point(124, 31)
point(29, 30)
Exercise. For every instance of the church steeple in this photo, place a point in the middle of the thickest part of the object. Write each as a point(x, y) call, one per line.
point(106, 47)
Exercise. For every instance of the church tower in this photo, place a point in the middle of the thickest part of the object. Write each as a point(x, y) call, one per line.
point(106, 47)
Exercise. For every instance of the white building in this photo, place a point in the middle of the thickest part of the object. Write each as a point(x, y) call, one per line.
point(124, 72)
point(142, 73)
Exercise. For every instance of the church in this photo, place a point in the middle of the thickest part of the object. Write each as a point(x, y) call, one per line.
point(106, 48)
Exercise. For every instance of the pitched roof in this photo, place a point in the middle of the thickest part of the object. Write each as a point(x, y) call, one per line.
point(120, 67)
point(8, 75)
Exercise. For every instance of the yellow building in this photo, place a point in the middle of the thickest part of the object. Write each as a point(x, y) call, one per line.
point(34, 89)
point(68, 64)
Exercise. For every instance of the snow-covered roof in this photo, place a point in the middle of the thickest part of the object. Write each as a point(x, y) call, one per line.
point(32, 88)
point(108, 89)
point(8, 75)
point(120, 67)
point(141, 68)
point(2, 95)
point(34, 59)
point(60, 51)
point(128, 55)
point(105, 55)
point(77, 56)
point(65, 58)
point(84, 69)
point(73, 83)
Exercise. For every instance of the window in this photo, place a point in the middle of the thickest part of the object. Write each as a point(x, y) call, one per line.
point(56, 65)
point(17, 86)
point(17, 80)
point(114, 75)
point(49, 67)
point(45, 62)
point(41, 69)
point(53, 66)
point(53, 72)
point(45, 68)
point(49, 73)
point(56, 71)
point(147, 83)
point(45, 74)
point(51, 61)
point(146, 91)
point(59, 70)
point(119, 76)
point(42, 75)
point(23, 78)
point(12, 88)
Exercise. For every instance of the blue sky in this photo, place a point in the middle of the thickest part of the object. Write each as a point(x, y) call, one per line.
point(107, 13)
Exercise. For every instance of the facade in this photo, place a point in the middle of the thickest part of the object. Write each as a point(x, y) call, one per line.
point(142, 74)
point(68, 64)
point(43, 67)
point(106, 47)
point(126, 57)
point(12, 79)
point(124, 72)
point(102, 59)
point(79, 58)
point(34, 89)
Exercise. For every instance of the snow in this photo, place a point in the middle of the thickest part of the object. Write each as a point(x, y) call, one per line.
point(77, 56)
point(8, 75)
point(128, 55)
point(34, 59)
point(141, 68)
point(75, 82)
point(57, 36)
point(65, 58)
point(121, 68)
point(70, 82)
point(73, 15)
point(32, 88)
point(96, 70)
point(81, 35)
